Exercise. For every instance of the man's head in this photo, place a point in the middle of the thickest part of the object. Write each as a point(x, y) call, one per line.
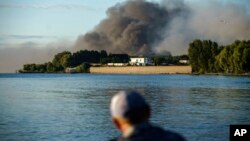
point(129, 107)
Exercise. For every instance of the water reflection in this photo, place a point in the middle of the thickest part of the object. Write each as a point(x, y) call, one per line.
point(76, 107)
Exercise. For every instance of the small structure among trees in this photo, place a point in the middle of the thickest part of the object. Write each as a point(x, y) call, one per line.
point(140, 61)
point(79, 61)
point(184, 59)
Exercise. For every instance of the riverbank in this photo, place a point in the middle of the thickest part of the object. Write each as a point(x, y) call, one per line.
point(142, 70)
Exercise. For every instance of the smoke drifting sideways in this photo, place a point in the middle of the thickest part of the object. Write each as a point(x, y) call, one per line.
point(211, 20)
point(12, 57)
point(143, 28)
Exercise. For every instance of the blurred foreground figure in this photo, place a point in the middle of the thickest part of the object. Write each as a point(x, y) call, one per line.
point(130, 113)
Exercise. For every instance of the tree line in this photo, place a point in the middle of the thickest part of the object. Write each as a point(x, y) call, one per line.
point(208, 57)
point(80, 60)
point(205, 56)
point(160, 60)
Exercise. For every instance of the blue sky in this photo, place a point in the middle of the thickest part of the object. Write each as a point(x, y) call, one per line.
point(43, 21)
point(36, 20)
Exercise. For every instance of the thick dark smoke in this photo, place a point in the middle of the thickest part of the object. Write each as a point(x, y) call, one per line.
point(138, 27)
point(132, 27)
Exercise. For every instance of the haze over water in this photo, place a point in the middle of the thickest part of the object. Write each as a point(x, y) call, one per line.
point(76, 107)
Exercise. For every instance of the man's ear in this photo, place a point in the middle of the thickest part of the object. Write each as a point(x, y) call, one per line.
point(117, 123)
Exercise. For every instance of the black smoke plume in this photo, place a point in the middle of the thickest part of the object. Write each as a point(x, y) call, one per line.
point(139, 27)
point(132, 27)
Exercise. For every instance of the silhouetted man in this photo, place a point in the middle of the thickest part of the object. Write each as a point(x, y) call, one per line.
point(130, 113)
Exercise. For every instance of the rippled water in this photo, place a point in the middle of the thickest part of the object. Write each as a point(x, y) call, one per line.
point(76, 106)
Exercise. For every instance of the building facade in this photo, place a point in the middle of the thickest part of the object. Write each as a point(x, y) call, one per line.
point(184, 61)
point(140, 61)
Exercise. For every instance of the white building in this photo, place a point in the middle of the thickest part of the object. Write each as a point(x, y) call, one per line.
point(140, 61)
point(117, 64)
point(184, 61)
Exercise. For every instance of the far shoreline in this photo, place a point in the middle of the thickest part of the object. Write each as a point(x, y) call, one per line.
point(167, 70)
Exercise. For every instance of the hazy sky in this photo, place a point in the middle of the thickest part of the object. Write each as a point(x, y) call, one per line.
point(47, 20)
point(44, 23)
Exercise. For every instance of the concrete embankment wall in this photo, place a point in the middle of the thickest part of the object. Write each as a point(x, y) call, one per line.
point(142, 70)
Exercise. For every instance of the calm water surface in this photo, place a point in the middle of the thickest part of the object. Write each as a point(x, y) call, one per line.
point(76, 107)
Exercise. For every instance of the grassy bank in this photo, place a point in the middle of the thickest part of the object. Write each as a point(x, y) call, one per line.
point(142, 70)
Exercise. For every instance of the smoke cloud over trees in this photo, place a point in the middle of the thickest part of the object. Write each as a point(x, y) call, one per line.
point(142, 28)
point(130, 27)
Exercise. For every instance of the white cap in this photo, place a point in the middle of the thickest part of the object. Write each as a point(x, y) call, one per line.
point(125, 101)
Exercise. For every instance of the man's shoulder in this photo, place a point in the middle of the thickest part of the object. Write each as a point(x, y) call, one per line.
point(164, 135)
point(152, 133)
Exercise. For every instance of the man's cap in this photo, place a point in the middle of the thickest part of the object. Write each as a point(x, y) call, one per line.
point(125, 101)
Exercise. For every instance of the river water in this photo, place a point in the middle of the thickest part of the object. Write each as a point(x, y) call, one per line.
point(76, 106)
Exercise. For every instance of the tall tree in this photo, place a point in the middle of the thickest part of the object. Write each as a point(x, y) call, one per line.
point(202, 55)
point(61, 60)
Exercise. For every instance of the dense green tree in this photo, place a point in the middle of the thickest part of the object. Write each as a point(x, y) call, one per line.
point(118, 58)
point(61, 60)
point(202, 56)
point(85, 56)
point(35, 68)
point(169, 59)
point(246, 59)
point(84, 68)
point(193, 52)
point(237, 57)
point(223, 59)
point(65, 59)
point(27, 67)
point(104, 60)
point(50, 67)
point(205, 56)
point(41, 68)
point(159, 60)
point(103, 54)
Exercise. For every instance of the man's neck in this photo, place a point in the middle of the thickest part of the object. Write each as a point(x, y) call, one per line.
point(128, 131)
point(132, 128)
